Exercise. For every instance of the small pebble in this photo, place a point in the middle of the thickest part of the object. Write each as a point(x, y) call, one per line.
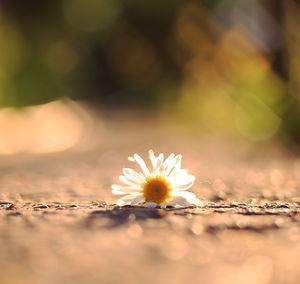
point(12, 206)
point(4, 202)
point(41, 206)
point(284, 206)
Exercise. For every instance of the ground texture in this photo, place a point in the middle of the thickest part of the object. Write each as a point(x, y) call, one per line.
point(59, 222)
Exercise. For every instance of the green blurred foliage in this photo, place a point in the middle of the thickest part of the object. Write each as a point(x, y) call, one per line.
point(228, 66)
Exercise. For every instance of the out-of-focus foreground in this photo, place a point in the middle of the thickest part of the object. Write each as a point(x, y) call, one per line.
point(59, 222)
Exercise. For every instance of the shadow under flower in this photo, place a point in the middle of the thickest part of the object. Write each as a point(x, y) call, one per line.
point(122, 215)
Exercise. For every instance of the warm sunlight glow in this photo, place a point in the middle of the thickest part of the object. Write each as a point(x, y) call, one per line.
point(47, 128)
point(57, 127)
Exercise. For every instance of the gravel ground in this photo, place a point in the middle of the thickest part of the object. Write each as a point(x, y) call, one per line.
point(59, 222)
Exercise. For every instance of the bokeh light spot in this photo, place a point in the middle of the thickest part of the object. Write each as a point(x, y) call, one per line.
point(254, 119)
point(91, 15)
point(61, 57)
point(52, 127)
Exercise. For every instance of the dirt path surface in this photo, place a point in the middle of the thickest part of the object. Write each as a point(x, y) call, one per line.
point(59, 222)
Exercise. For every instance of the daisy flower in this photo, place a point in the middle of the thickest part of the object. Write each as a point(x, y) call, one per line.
point(165, 184)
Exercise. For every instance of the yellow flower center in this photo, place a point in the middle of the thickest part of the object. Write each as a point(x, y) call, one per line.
point(156, 189)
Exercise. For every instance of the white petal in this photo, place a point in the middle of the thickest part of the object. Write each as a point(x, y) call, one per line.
point(158, 164)
point(188, 186)
point(176, 167)
point(133, 175)
point(185, 194)
point(169, 164)
point(170, 168)
point(117, 192)
point(159, 168)
point(161, 157)
point(117, 189)
point(116, 186)
point(152, 159)
point(168, 160)
point(182, 186)
point(188, 196)
point(196, 201)
point(178, 160)
point(161, 171)
point(151, 205)
point(137, 199)
point(142, 164)
point(181, 178)
point(126, 181)
point(179, 173)
point(125, 191)
point(178, 201)
point(186, 177)
point(178, 184)
point(129, 199)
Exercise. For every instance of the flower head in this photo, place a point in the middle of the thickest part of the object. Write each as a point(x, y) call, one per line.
point(165, 184)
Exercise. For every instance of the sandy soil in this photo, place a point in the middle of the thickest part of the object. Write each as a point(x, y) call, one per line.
point(59, 224)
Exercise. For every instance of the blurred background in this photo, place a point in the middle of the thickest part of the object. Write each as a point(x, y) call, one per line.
point(228, 68)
